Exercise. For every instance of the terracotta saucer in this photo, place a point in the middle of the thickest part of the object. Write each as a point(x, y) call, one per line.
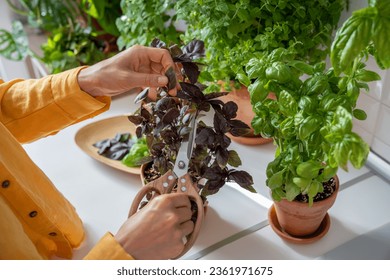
point(321, 231)
point(251, 141)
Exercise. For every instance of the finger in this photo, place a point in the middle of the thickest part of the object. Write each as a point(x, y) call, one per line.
point(161, 56)
point(149, 80)
point(184, 214)
point(187, 227)
point(180, 200)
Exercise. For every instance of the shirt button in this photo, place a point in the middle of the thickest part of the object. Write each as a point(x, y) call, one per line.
point(5, 184)
point(33, 214)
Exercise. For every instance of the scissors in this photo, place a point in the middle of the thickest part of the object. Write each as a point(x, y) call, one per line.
point(177, 180)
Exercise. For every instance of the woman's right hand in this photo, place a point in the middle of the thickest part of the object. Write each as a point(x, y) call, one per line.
point(157, 231)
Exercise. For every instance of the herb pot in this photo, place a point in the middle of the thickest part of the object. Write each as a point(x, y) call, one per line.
point(245, 114)
point(297, 222)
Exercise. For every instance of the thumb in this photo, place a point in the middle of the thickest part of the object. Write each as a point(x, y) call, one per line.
point(149, 80)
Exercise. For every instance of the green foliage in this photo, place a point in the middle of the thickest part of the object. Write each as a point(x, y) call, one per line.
point(13, 45)
point(144, 20)
point(66, 49)
point(367, 26)
point(236, 30)
point(310, 120)
point(79, 32)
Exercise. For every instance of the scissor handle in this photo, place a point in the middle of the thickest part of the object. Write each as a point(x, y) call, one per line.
point(185, 185)
point(162, 185)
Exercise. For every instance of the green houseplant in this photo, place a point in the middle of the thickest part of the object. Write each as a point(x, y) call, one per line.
point(164, 123)
point(311, 118)
point(142, 21)
point(78, 32)
point(310, 121)
point(235, 31)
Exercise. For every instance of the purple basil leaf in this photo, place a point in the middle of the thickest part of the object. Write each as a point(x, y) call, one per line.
point(205, 136)
point(214, 95)
point(170, 116)
point(145, 114)
point(157, 43)
point(222, 157)
point(101, 143)
point(175, 51)
point(241, 177)
point(193, 91)
point(171, 75)
point(195, 49)
point(203, 106)
point(230, 110)
point(138, 131)
point(165, 103)
point(191, 70)
point(238, 128)
point(220, 124)
point(135, 119)
point(212, 185)
point(223, 141)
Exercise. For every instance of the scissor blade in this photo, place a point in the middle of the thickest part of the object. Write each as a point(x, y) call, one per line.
point(185, 151)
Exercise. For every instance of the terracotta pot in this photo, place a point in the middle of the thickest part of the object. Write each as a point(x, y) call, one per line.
point(297, 222)
point(245, 114)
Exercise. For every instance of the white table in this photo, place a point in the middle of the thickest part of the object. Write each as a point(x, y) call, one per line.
point(236, 225)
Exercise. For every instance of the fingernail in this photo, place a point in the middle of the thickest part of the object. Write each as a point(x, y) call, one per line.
point(162, 80)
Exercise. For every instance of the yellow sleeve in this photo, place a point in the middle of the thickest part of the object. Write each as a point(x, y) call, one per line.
point(35, 108)
point(108, 249)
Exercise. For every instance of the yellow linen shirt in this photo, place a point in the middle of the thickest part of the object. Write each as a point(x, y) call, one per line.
point(36, 220)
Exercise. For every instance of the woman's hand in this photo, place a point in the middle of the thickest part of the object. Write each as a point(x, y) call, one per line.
point(158, 229)
point(135, 67)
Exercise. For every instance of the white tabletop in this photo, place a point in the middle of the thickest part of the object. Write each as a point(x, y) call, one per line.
point(236, 225)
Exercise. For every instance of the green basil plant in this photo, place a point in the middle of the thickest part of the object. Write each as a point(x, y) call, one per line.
point(310, 120)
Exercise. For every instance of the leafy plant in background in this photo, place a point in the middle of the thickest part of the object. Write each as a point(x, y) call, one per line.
point(310, 120)
point(144, 20)
point(165, 122)
point(235, 30)
point(79, 32)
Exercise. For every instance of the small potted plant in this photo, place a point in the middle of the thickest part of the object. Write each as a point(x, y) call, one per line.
point(236, 31)
point(164, 123)
point(78, 32)
point(311, 124)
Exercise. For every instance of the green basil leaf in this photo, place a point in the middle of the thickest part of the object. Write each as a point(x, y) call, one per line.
point(287, 103)
point(276, 180)
point(242, 78)
point(309, 169)
point(308, 126)
point(302, 66)
point(257, 91)
point(292, 190)
point(328, 172)
point(367, 76)
point(359, 114)
point(279, 72)
point(381, 39)
point(314, 188)
point(353, 36)
point(302, 183)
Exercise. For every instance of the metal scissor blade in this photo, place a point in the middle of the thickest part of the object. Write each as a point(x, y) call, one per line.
point(185, 151)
